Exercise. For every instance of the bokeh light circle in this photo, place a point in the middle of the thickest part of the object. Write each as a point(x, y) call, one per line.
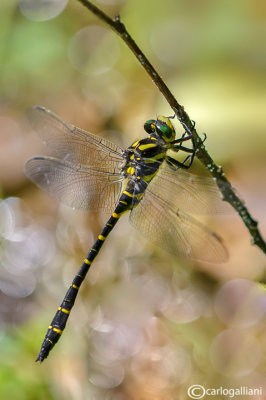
point(163, 47)
point(19, 286)
point(121, 342)
point(240, 303)
point(25, 246)
point(186, 305)
point(93, 50)
point(235, 352)
point(162, 366)
point(107, 376)
point(41, 10)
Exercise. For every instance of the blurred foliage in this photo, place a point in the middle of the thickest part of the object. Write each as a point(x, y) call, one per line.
point(147, 325)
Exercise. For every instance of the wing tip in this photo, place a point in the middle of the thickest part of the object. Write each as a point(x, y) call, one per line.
point(37, 107)
point(214, 253)
point(35, 110)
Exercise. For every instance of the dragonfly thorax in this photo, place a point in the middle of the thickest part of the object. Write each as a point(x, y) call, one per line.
point(143, 158)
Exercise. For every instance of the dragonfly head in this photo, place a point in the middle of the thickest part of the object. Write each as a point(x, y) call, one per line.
point(161, 127)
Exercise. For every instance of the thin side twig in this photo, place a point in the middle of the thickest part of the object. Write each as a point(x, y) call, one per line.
point(228, 193)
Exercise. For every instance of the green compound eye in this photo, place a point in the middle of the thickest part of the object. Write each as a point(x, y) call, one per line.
point(165, 129)
point(162, 126)
point(149, 126)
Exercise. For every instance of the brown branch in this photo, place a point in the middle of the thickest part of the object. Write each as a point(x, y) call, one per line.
point(224, 185)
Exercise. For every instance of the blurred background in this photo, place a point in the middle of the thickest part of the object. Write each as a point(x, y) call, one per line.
point(147, 325)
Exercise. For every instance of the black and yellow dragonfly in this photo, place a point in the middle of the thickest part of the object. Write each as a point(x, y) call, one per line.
point(91, 173)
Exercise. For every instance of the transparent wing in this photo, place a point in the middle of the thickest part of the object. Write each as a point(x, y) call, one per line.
point(85, 173)
point(77, 186)
point(190, 193)
point(176, 231)
point(73, 144)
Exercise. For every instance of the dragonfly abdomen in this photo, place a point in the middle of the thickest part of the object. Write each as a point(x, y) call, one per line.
point(59, 321)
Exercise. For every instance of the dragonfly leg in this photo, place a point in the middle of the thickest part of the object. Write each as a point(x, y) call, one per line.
point(194, 150)
point(183, 148)
point(175, 164)
point(177, 147)
point(183, 138)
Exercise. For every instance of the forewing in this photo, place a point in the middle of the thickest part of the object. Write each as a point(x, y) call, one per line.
point(176, 231)
point(77, 186)
point(190, 193)
point(73, 144)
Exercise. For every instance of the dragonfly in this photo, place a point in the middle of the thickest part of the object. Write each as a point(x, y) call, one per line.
point(89, 172)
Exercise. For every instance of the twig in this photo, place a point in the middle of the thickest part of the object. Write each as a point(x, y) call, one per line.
point(224, 185)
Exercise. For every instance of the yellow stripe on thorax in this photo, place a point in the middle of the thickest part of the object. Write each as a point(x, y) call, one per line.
point(154, 158)
point(147, 146)
point(135, 144)
point(127, 193)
